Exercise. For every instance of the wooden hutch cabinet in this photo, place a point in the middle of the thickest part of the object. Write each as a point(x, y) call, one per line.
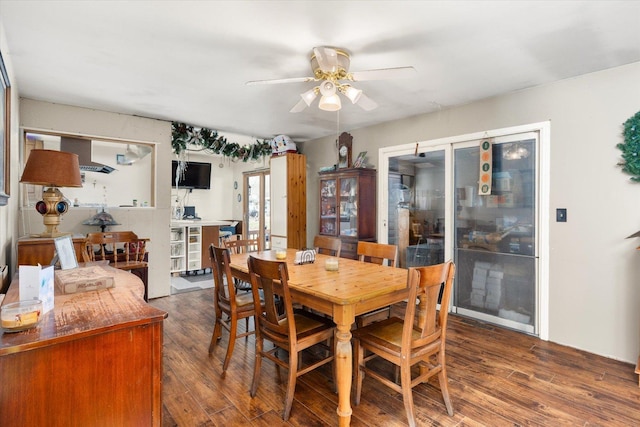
point(348, 207)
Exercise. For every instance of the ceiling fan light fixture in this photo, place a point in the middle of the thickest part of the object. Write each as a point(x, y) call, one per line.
point(309, 95)
point(351, 92)
point(327, 88)
point(330, 103)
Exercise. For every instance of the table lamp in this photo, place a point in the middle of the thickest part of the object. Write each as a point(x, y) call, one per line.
point(52, 169)
point(101, 219)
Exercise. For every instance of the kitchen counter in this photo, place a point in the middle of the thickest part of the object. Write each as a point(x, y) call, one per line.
point(203, 222)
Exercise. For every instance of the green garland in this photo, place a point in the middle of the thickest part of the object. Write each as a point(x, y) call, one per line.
point(631, 147)
point(183, 135)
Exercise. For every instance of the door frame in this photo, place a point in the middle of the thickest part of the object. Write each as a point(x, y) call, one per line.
point(262, 173)
point(543, 197)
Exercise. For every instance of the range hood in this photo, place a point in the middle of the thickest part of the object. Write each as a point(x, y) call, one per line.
point(82, 148)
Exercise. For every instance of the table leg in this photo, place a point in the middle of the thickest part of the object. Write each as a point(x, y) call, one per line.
point(344, 368)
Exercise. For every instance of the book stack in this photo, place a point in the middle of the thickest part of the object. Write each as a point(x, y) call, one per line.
point(479, 283)
point(486, 285)
point(494, 287)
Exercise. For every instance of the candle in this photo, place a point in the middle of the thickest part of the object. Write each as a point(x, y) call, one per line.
point(331, 264)
point(281, 254)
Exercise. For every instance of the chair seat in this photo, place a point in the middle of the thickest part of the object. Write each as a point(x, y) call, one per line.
point(245, 299)
point(132, 265)
point(387, 335)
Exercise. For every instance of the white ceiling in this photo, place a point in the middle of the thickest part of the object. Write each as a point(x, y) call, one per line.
point(188, 61)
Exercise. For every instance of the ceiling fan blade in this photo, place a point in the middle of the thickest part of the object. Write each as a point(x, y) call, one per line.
point(382, 74)
point(327, 58)
point(278, 81)
point(366, 103)
point(301, 105)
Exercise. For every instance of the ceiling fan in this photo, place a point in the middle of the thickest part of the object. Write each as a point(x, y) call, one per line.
point(330, 67)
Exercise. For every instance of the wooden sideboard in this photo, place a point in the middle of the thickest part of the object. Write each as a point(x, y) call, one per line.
point(40, 250)
point(94, 360)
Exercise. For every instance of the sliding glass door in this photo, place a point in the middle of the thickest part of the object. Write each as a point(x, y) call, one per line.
point(495, 231)
point(439, 207)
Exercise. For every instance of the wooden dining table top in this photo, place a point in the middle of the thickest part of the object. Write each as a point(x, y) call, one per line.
point(354, 281)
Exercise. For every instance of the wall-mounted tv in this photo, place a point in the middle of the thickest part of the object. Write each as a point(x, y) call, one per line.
point(196, 175)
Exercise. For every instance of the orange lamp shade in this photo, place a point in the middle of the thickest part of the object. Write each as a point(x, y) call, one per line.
point(52, 168)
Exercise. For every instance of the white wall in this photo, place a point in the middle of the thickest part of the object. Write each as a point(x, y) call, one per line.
point(146, 222)
point(594, 277)
point(221, 201)
point(8, 213)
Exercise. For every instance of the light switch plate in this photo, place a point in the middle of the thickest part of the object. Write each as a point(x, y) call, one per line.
point(561, 215)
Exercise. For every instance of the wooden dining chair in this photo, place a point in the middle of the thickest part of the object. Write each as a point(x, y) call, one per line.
point(123, 249)
point(411, 341)
point(377, 253)
point(241, 246)
point(227, 301)
point(292, 330)
point(327, 245)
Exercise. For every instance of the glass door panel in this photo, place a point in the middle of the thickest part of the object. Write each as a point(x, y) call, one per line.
point(348, 207)
point(328, 207)
point(257, 207)
point(416, 208)
point(495, 234)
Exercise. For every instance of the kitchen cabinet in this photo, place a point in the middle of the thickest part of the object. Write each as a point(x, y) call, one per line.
point(288, 190)
point(178, 254)
point(194, 247)
point(348, 207)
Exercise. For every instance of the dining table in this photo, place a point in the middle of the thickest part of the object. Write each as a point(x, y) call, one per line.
point(354, 288)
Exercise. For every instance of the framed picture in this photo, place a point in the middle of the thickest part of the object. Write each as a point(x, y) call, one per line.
point(65, 253)
point(359, 162)
point(5, 143)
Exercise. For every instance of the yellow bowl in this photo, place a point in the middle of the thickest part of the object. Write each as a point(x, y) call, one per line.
point(20, 315)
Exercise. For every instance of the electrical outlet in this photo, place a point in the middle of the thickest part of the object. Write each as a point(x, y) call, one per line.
point(561, 215)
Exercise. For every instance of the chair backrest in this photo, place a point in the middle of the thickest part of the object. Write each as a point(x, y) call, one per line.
point(377, 253)
point(272, 278)
point(327, 245)
point(116, 246)
point(240, 246)
point(225, 292)
point(226, 237)
point(428, 282)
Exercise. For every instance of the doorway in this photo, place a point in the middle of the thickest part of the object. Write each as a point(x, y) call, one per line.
point(433, 208)
point(257, 207)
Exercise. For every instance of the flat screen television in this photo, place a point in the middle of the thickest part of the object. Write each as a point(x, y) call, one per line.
point(196, 175)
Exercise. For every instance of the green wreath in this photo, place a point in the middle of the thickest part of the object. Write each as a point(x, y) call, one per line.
point(210, 141)
point(631, 147)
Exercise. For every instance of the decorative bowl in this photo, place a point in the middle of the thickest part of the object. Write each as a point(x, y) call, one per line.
point(20, 315)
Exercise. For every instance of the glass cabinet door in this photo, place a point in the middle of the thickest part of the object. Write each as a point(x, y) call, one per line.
point(328, 207)
point(348, 207)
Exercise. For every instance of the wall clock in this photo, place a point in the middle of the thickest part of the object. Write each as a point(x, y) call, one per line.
point(344, 150)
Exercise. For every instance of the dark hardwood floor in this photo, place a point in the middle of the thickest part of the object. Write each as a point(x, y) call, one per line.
point(497, 377)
